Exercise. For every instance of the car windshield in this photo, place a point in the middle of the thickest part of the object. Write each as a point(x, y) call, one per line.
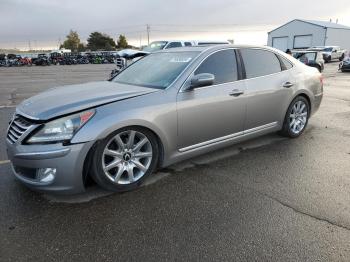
point(328, 49)
point(155, 46)
point(157, 70)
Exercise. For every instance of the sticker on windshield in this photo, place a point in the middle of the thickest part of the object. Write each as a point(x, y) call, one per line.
point(180, 59)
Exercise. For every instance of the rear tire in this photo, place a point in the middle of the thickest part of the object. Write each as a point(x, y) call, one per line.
point(296, 118)
point(124, 159)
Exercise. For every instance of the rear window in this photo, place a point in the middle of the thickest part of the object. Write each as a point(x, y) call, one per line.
point(286, 63)
point(258, 62)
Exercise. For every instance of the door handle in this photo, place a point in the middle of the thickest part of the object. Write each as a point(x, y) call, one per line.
point(288, 85)
point(236, 92)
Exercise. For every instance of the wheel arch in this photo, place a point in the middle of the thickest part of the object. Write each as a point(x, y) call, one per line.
point(86, 176)
point(307, 97)
point(302, 93)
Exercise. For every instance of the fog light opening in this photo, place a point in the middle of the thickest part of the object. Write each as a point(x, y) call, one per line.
point(46, 175)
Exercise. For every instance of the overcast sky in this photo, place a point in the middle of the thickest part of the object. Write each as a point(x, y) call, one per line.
point(44, 22)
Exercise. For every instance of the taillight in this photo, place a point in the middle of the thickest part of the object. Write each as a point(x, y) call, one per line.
point(321, 79)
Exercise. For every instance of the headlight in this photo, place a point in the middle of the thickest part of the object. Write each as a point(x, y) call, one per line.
point(61, 129)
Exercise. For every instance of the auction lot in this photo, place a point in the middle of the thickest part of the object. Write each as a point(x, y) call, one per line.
point(270, 199)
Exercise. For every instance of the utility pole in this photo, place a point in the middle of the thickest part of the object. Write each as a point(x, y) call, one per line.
point(148, 30)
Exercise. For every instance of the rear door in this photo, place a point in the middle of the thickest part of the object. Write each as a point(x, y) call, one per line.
point(268, 87)
point(208, 114)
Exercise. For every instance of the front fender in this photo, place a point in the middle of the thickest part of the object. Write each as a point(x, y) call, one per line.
point(162, 121)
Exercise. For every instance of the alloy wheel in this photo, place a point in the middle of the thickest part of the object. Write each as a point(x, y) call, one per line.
point(298, 117)
point(127, 157)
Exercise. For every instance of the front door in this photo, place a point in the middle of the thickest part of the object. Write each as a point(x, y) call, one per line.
point(209, 114)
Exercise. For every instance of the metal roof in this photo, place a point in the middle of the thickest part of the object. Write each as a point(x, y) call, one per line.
point(323, 24)
point(326, 24)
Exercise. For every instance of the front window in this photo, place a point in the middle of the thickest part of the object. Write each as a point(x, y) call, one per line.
point(157, 70)
point(222, 65)
point(155, 46)
point(328, 49)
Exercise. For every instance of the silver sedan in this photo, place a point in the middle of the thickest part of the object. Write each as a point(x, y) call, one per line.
point(164, 108)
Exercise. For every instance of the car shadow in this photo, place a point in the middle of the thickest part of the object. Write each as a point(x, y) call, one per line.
point(94, 192)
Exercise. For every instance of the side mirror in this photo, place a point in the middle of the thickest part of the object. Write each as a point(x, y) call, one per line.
point(200, 80)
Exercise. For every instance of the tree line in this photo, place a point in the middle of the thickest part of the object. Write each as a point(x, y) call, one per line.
point(96, 41)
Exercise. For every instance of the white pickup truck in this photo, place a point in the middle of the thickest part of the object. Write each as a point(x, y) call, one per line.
point(331, 53)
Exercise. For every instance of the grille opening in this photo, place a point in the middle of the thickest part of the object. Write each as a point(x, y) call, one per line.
point(121, 63)
point(18, 126)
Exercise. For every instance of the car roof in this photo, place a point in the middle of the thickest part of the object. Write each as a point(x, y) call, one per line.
point(204, 48)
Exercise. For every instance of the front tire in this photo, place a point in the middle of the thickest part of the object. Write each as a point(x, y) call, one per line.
point(124, 159)
point(296, 118)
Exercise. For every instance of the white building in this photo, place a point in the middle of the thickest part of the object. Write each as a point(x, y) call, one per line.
point(306, 33)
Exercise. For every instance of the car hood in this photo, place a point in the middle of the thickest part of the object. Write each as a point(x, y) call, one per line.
point(131, 53)
point(69, 99)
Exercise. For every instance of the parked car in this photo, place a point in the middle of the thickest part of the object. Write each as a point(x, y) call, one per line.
point(310, 58)
point(2, 60)
point(330, 53)
point(344, 66)
point(166, 107)
point(127, 56)
point(161, 45)
point(56, 58)
point(41, 60)
point(13, 60)
point(25, 61)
